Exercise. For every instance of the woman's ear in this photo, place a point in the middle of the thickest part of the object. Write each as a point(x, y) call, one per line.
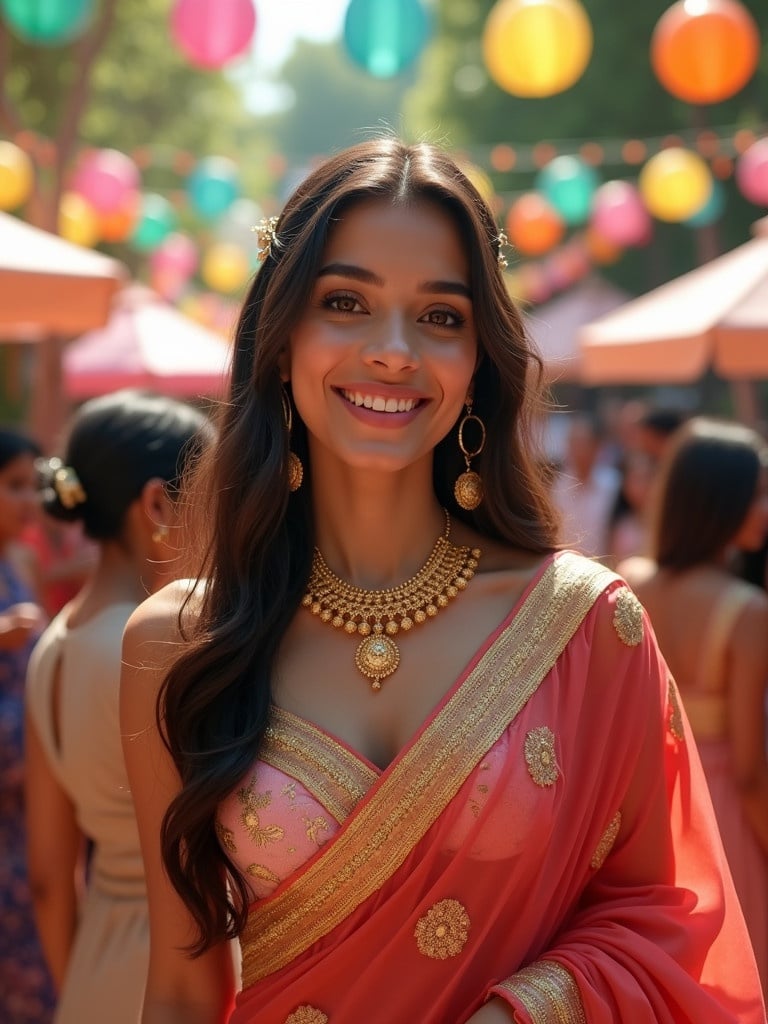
point(157, 508)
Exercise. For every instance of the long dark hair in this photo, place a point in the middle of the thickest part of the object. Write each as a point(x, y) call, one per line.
point(215, 704)
point(708, 481)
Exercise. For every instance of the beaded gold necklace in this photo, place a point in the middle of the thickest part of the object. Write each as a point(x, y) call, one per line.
point(378, 615)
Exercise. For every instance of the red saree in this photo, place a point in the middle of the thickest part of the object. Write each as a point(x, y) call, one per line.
point(545, 837)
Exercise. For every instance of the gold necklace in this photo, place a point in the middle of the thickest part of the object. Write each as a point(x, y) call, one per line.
point(378, 615)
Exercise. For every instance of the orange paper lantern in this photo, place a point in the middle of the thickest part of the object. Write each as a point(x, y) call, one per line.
point(705, 51)
point(533, 225)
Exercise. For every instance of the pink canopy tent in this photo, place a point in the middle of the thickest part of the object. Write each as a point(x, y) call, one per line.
point(147, 343)
point(715, 315)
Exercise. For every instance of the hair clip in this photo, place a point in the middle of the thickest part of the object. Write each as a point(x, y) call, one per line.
point(502, 242)
point(67, 484)
point(266, 235)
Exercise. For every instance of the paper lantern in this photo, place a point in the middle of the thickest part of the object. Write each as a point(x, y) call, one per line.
point(176, 255)
point(384, 36)
point(705, 51)
point(619, 214)
point(752, 172)
point(156, 219)
point(569, 184)
point(213, 186)
point(78, 221)
point(106, 177)
point(225, 267)
point(16, 176)
point(536, 47)
point(533, 225)
point(711, 211)
point(47, 21)
point(675, 184)
point(211, 33)
point(117, 226)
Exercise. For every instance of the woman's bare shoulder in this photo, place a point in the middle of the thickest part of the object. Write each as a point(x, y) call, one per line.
point(166, 616)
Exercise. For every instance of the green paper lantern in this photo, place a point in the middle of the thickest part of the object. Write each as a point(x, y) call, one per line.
point(385, 36)
point(569, 184)
point(47, 21)
point(156, 220)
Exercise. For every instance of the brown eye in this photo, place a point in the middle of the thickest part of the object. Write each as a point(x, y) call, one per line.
point(343, 303)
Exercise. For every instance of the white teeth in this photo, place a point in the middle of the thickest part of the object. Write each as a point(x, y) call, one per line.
point(391, 405)
point(368, 402)
point(380, 404)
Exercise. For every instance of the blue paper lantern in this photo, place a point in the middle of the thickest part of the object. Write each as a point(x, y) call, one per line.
point(385, 36)
point(711, 211)
point(213, 186)
point(47, 21)
point(569, 184)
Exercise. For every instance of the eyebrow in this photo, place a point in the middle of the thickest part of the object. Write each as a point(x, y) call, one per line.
point(368, 277)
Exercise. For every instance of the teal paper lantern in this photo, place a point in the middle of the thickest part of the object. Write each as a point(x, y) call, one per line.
point(385, 36)
point(569, 184)
point(47, 21)
point(156, 220)
point(213, 186)
point(711, 211)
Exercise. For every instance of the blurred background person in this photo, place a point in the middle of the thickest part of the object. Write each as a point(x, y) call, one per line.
point(713, 631)
point(26, 993)
point(119, 477)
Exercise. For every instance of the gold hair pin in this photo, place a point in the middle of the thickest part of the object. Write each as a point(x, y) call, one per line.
point(266, 234)
point(503, 242)
point(67, 484)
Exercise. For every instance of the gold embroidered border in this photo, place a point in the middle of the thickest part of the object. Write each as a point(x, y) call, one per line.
point(333, 775)
point(548, 991)
point(428, 775)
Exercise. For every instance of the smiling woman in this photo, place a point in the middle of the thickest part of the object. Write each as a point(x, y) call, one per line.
point(477, 812)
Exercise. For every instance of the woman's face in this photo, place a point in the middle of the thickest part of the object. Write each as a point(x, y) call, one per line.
point(18, 496)
point(382, 359)
point(753, 531)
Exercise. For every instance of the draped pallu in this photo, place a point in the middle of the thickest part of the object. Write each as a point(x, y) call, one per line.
point(546, 837)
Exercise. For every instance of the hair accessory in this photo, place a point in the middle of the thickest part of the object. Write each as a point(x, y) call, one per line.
point(66, 483)
point(468, 489)
point(503, 242)
point(295, 467)
point(378, 615)
point(266, 234)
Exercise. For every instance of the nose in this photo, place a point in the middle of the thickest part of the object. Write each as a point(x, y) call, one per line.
point(392, 346)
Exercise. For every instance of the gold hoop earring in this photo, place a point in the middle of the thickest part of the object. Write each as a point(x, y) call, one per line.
point(160, 535)
point(468, 489)
point(295, 468)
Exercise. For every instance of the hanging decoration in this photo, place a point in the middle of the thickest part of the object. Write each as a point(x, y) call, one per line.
point(384, 37)
point(106, 178)
point(118, 225)
point(533, 225)
point(16, 176)
point(155, 220)
point(752, 172)
point(78, 221)
point(172, 264)
point(225, 267)
point(212, 33)
point(705, 51)
point(675, 184)
point(711, 211)
point(537, 48)
point(619, 214)
point(569, 184)
point(49, 22)
point(213, 186)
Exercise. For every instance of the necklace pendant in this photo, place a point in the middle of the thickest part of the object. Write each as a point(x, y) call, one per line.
point(377, 657)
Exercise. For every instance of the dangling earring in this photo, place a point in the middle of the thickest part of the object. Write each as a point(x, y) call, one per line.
point(295, 468)
point(468, 489)
point(160, 535)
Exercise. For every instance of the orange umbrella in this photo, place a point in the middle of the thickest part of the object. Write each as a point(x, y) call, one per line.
point(715, 315)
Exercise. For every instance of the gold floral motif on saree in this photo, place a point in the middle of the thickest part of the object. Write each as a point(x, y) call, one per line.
point(314, 826)
point(675, 713)
point(540, 756)
point(307, 1015)
point(628, 618)
point(252, 803)
point(428, 774)
point(226, 837)
point(262, 872)
point(443, 931)
point(607, 839)
point(549, 993)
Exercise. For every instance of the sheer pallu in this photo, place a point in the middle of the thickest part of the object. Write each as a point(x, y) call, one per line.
point(546, 836)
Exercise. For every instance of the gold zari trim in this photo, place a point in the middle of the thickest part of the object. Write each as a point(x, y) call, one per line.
point(628, 618)
point(675, 714)
point(549, 993)
point(540, 756)
point(307, 1015)
point(427, 775)
point(443, 931)
point(607, 840)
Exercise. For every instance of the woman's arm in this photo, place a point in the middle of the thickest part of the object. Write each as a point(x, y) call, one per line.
point(748, 674)
point(55, 854)
point(180, 990)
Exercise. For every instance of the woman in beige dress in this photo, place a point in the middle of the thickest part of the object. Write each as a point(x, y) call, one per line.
point(119, 478)
point(713, 631)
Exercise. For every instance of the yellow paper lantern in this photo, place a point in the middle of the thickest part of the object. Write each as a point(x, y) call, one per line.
point(78, 221)
point(225, 267)
point(536, 48)
point(675, 184)
point(16, 176)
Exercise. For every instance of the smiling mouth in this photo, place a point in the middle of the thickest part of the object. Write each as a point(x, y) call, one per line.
point(378, 403)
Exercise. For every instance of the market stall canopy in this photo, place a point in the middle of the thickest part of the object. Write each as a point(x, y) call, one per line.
point(715, 315)
point(148, 344)
point(49, 285)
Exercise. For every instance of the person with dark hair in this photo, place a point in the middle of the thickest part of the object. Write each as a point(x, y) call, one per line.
point(415, 758)
point(26, 992)
point(120, 477)
point(713, 631)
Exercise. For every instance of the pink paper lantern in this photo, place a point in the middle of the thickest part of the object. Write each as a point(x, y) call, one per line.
point(619, 214)
point(106, 178)
point(213, 32)
point(752, 172)
point(177, 255)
